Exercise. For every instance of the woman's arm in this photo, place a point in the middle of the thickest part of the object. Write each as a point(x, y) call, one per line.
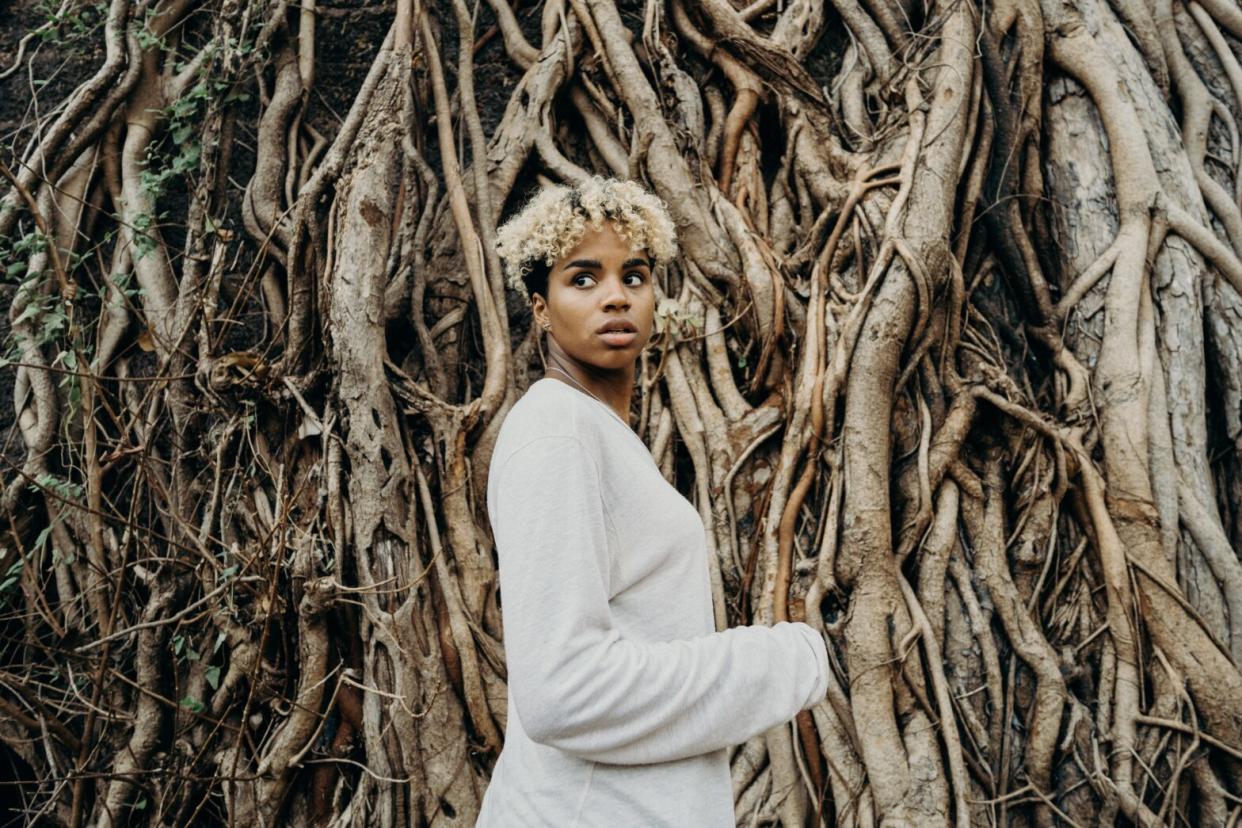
point(580, 686)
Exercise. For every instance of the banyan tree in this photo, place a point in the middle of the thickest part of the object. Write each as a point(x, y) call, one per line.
point(950, 364)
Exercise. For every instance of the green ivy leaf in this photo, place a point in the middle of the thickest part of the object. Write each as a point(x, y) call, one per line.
point(28, 312)
point(42, 538)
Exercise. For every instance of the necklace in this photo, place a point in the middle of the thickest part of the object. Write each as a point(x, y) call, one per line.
point(588, 391)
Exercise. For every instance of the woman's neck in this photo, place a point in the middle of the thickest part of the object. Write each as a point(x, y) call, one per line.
point(614, 388)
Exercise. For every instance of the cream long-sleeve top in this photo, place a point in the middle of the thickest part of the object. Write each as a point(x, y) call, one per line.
point(623, 698)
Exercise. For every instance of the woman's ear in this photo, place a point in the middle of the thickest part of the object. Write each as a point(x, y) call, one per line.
point(539, 310)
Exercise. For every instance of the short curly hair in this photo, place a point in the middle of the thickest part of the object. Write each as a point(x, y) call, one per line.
point(554, 219)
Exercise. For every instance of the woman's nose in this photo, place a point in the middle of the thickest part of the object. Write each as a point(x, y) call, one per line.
point(615, 294)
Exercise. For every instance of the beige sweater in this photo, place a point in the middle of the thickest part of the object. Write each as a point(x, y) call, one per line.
point(623, 698)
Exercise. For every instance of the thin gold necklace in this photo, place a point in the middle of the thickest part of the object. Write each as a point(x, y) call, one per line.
point(588, 391)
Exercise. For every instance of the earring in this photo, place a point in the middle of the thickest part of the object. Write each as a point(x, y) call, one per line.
point(547, 326)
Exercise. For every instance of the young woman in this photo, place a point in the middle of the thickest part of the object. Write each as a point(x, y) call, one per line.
point(623, 698)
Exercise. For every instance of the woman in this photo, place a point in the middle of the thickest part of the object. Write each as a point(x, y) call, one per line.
point(623, 698)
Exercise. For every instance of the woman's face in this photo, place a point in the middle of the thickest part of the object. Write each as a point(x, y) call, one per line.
point(600, 281)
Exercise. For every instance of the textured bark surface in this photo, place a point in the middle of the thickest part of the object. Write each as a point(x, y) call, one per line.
point(950, 366)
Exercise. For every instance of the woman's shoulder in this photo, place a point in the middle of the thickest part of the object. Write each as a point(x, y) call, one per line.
point(548, 409)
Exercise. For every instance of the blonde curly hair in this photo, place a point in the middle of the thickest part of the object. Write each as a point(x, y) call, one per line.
point(554, 219)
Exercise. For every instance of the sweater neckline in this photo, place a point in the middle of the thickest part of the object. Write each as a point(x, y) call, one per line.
point(602, 405)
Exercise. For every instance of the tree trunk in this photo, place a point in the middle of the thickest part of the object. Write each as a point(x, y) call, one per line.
point(950, 365)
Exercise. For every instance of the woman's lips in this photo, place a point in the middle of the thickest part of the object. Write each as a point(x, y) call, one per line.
point(619, 338)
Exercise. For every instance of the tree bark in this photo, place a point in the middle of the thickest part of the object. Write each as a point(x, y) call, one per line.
point(950, 365)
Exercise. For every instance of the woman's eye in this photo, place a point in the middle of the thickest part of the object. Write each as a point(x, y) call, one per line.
point(574, 281)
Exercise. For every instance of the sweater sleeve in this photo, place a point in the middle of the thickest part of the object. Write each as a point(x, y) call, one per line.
point(577, 683)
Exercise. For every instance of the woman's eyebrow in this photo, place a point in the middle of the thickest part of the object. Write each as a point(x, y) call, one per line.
point(594, 263)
